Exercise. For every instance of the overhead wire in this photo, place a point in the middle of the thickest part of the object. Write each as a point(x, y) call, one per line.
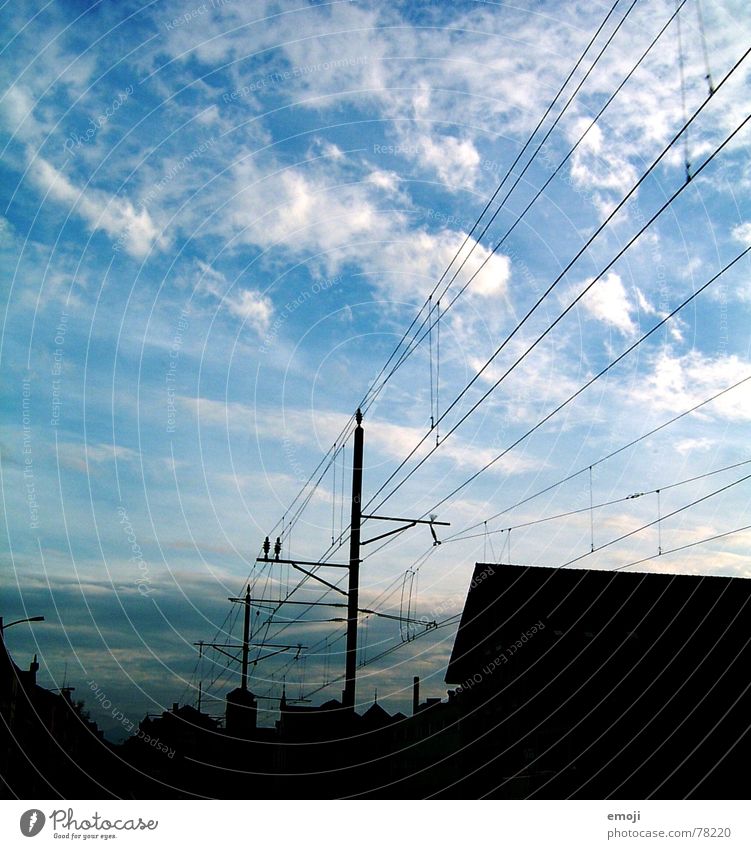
point(461, 534)
point(682, 548)
point(564, 312)
point(367, 400)
point(445, 623)
point(607, 456)
point(657, 521)
point(604, 370)
point(544, 139)
point(567, 268)
point(458, 252)
point(332, 638)
point(442, 416)
point(430, 348)
point(652, 330)
point(490, 202)
point(610, 503)
point(417, 341)
point(614, 541)
point(454, 617)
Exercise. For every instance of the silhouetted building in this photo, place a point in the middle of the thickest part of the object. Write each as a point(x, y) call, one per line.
point(241, 717)
point(48, 746)
point(566, 683)
point(301, 723)
point(375, 717)
point(593, 684)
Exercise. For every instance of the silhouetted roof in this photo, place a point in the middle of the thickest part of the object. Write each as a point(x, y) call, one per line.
point(376, 715)
point(506, 601)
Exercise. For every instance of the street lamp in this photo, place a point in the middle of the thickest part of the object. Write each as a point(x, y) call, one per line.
point(19, 621)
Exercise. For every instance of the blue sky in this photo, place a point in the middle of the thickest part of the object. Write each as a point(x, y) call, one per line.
point(217, 222)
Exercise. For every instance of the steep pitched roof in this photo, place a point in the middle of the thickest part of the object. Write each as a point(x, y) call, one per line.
point(376, 715)
point(505, 601)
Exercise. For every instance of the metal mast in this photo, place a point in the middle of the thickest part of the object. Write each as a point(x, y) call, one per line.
point(246, 641)
point(353, 593)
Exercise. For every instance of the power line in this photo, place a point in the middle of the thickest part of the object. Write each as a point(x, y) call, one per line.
point(330, 640)
point(562, 314)
point(654, 430)
point(446, 623)
point(431, 550)
point(542, 142)
point(584, 387)
point(603, 371)
point(704, 164)
point(682, 547)
point(415, 341)
point(419, 562)
point(608, 456)
point(602, 504)
point(366, 401)
point(693, 503)
point(382, 597)
point(656, 521)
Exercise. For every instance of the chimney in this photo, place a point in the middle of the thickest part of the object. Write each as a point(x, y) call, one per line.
point(175, 707)
point(33, 669)
point(415, 694)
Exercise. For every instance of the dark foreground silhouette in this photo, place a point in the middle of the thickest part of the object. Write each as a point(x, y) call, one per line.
point(567, 683)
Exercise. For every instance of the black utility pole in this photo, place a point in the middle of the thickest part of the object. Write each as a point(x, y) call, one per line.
point(353, 600)
point(246, 641)
point(353, 567)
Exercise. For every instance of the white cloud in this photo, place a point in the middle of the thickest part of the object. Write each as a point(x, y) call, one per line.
point(607, 301)
point(386, 180)
point(396, 441)
point(742, 233)
point(601, 163)
point(79, 456)
point(132, 228)
point(7, 234)
point(545, 379)
point(689, 446)
point(644, 305)
point(456, 161)
point(250, 305)
point(316, 212)
point(209, 116)
point(307, 212)
point(680, 382)
point(17, 110)
point(421, 258)
point(318, 428)
point(332, 151)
